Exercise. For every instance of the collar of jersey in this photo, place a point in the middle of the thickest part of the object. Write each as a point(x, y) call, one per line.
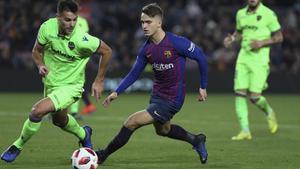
point(160, 41)
point(256, 11)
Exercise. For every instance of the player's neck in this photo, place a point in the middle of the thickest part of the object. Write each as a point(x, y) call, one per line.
point(158, 36)
point(252, 9)
point(61, 32)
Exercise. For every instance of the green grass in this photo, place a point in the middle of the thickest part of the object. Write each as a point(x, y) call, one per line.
point(51, 148)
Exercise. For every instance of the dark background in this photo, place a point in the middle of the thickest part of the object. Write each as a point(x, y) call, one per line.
point(206, 22)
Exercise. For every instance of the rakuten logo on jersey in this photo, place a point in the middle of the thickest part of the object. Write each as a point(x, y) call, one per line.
point(161, 67)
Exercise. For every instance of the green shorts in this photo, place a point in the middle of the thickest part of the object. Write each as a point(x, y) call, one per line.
point(63, 96)
point(252, 77)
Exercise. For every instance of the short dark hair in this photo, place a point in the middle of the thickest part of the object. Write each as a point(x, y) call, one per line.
point(67, 5)
point(152, 10)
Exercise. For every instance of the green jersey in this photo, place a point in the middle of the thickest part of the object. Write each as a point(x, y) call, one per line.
point(255, 26)
point(65, 56)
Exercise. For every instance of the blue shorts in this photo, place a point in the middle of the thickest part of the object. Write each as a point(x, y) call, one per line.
point(161, 110)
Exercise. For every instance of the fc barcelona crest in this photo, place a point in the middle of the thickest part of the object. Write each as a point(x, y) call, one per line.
point(168, 54)
point(71, 45)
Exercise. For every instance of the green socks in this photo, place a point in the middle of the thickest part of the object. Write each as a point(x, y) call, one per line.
point(263, 104)
point(74, 108)
point(241, 109)
point(29, 129)
point(74, 128)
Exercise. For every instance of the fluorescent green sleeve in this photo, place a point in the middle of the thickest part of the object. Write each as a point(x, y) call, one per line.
point(273, 24)
point(42, 34)
point(90, 44)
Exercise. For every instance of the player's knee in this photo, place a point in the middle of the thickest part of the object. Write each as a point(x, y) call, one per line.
point(36, 112)
point(241, 93)
point(162, 132)
point(254, 99)
point(55, 123)
point(131, 124)
point(58, 123)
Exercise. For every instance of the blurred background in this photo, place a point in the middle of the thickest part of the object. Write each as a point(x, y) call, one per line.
point(117, 22)
point(206, 22)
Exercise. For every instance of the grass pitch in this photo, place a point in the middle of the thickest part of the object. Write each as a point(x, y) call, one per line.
point(51, 148)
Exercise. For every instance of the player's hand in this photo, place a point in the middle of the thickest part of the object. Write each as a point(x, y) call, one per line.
point(202, 95)
point(109, 99)
point(228, 40)
point(43, 70)
point(97, 89)
point(256, 44)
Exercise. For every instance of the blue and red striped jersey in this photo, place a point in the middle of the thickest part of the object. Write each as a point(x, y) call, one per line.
point(168, 63)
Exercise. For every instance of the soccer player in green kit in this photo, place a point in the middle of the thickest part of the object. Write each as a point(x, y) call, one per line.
point(257, 28)
point(61, 52)
point(89, 106)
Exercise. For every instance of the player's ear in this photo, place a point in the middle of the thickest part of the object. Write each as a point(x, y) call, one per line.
point(159, 22)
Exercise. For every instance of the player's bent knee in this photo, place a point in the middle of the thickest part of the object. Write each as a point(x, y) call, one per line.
point(162, 132)
point(241, 93)
point(132, 125)
point(254, 100)
point(58, 123)
point(35, 112)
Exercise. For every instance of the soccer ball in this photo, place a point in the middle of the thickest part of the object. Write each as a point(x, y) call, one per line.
point(84, 158)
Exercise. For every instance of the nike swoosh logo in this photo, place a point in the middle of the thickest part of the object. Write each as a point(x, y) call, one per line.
point(155, 112)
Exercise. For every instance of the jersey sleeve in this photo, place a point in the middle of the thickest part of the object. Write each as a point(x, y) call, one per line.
point(238, 26)
point(134, 73)
point(42, 34)
point(188, 49)
point(90, 44)
point(273, 23)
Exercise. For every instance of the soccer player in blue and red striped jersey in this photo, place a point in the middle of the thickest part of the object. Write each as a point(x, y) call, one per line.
point(167, 54)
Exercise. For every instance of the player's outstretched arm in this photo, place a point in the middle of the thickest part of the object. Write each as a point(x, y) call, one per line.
point(202, 95)
point(230, 38)
point(37, 56)
point(109, 99)
point(105, 51)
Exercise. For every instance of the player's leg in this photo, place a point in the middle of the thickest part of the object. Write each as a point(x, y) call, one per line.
point(89, 106)
point(177, 132)
point(63, 97)
point(68, 123)
point(132, 123)
point(30, 127)
point(162, 112)
point(74, 110)
point(241, 84)
point(241, 110)
point(257, 85)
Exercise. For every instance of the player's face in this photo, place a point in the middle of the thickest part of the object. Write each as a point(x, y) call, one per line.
point(67, 21)
point(253, 3)
point(150, 25)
